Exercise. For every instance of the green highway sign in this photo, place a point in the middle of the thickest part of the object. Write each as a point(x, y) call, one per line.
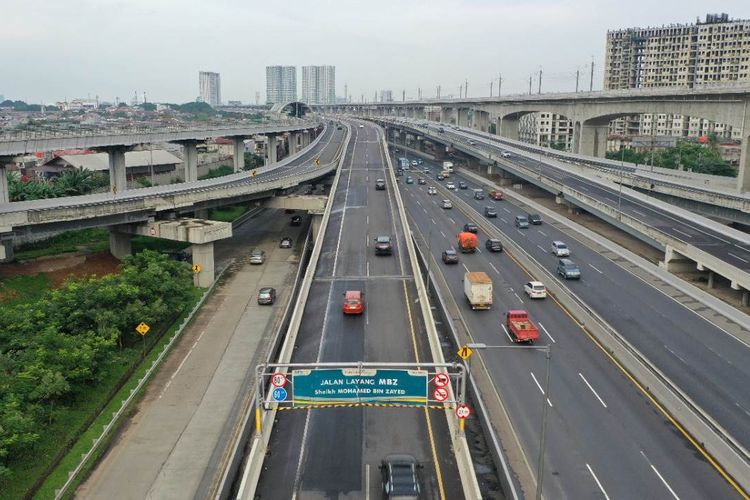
point(355, 385)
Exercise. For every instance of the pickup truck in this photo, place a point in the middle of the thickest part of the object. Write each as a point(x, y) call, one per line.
point(478, 290)
point(520, 326)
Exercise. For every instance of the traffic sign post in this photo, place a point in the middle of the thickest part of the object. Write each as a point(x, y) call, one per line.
point(442, 379)
point(196, 268)
point(143, 329)
point(279, 394)
point(462, 412)
point(440, 394)
point(278, 379)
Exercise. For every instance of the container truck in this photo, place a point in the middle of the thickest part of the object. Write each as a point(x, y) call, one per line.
point(520, 326)
point(478, 290)
point(467, 242)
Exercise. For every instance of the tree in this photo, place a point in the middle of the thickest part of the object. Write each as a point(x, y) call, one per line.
point(628, 155)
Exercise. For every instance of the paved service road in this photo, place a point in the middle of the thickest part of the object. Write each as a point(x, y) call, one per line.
point(604, 439)
point(335, 453)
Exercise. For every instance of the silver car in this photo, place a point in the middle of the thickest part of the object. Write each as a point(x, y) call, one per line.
point(257, 256)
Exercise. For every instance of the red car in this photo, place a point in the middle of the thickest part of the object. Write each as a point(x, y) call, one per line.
point(496, 194)
point(354, 302)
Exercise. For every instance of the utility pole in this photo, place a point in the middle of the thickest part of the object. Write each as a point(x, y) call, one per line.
point(578, 74)
point(466, 89)
point(438, 91)
point(460, 91)
point(530, 84)
point(499, 83)
point(591, 83)
point(491, 82)
point(346, 92)
point(362, 98)
point(403, 96)
point(540, 81)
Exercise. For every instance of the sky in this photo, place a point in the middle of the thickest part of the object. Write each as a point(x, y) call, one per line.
point(52, 50)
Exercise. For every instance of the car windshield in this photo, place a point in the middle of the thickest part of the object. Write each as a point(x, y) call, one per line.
point(522, 219)
point(538, 287)
point(265, 295)
point(352, 302)
point(384, 239)
point(561, 246)
point(450, 252)
point(256, 253)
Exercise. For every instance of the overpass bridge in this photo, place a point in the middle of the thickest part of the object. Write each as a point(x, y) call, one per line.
point(590, 112)
point(118, 141)
point(146, 206)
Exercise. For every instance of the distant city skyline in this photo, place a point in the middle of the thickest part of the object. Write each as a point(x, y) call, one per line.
point(209, 84)
point(396, 46)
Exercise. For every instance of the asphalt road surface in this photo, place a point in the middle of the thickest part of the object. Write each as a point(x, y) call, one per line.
point(335, 453)
point(604, 439)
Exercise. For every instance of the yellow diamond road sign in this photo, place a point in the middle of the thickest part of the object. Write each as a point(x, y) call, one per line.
point(465, 352)
point(196, 268)
point(143, 328)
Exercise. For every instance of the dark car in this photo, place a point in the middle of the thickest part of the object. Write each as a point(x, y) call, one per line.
point(568, 269)
point(490, 212)
point(440, 177)
point(421, 181)
point(296, 220)
point(535, 219)
point(400, 477)
point(450, 256)
point(494, 245)
point(478, 194)
point(266, 296)
point(383, 245)
point(380, 185)
point(410, 180)
point(286, 242)
point(462, 185)
point(470, 227)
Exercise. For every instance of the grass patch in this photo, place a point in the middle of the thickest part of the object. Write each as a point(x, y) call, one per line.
point(141, 243)
point(227, 214)
point(71, 421)
point(220, 171)
point(91, 240)
point(23, 288)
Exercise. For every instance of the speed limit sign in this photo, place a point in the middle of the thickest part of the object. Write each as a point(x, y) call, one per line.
point(278, 379)
point(462, 411)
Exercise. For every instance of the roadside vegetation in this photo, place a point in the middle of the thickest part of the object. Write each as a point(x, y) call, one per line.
point(65, 352)
point(70, 183)
point(704, 159)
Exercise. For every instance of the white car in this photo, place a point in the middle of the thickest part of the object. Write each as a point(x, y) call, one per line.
point(505, 154)
point(361, 126)
point(535, 290)
point(450, 185)
point(431, 190)
point(447, 204)
point(560, 249)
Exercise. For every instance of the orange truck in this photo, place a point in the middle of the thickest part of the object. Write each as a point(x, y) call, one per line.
point(520, 326)
point(467, 242)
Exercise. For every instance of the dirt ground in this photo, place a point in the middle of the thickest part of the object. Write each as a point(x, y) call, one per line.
point(60, 268)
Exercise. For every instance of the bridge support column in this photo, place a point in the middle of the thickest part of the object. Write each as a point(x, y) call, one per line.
point(238, 153)
point(463, 118)
point(593, 140)
point(315, 221)
point(743, 174)
point(201, 214)
point(4, 195)
point(203, 255)
point(675, 262)
point(745, 298)
point(293, 142)
point(480, 120)
point(119, 243)
point(118, 181)
point(509, 128)
point(272, 154)
point(711, 279)
point(190, 160)
point(6, 250)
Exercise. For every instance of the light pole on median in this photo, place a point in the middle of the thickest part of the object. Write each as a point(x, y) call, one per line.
point(545, 402)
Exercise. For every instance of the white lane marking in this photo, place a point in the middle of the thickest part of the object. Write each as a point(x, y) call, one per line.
point(584, 188)
point(595, 269)
point(653, 467)
point(418, 203)
point(494, 268)
point(368, 220)
point(547, 333)
point(467, 269)
point(592, 389)
point(367, 481)
point(520, 232)
point(682, 233)
point(506, 209)
point(367, 240)
point(518, 297)
point(737, 257)
point(433, 221)
point(540, 388)
point(542, 233)
point(425, 210)
point(504, 221)
point(675, 354)
point(742, 408)
point(451, 219)
point(541, 248)
point(597, 481)
point(639, 212)
point(368, 267)
point(169, 382)
point(443, 234)
point(506, 332)
point(479, 250)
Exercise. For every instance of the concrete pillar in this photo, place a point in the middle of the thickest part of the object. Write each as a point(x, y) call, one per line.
point(743, 175)
point(745, 298)
point(293, 143)
point(190, 160)
point(117, 171)
point(201, 214)
point(593, 140)
point(6, 250)
point(4, 195)
point(315, 220)
point(509, 127)
point(675, 262)
point(576, 142)
point(489, 169)
point(711, 279)
point(119, 243)
point(272, 154)
point(238, 153)
point(480, 120)
point(203, 255)
point(463, 118)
